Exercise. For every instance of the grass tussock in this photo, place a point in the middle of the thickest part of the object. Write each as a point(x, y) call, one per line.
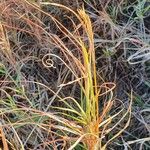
point(69, 74)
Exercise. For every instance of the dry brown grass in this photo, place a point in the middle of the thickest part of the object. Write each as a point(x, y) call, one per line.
point(69, 66)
